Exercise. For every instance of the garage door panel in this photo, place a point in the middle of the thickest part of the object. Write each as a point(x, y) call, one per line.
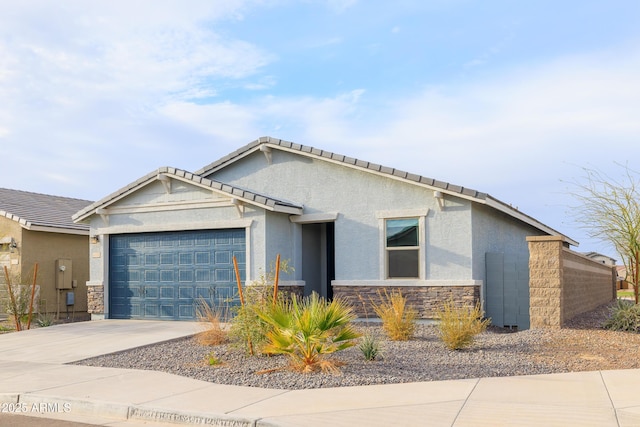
point(186, 312)
point(151, 310)
point(167, 292)
point(167, 311)
point(161, 275)
point(186, 293)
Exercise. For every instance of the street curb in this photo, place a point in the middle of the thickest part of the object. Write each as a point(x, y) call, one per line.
point(120, 411)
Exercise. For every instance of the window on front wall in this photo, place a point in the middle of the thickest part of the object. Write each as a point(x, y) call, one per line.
point(402, 248)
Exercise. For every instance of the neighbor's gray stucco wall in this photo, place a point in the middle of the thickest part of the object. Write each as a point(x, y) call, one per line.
point(359, 197)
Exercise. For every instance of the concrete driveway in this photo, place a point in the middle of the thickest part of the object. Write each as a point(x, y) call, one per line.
point(76, 341)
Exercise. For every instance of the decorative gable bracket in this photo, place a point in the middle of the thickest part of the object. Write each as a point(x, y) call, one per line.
point(104, 214)
point(267, 152)
point(166, 182)
point(239, 207)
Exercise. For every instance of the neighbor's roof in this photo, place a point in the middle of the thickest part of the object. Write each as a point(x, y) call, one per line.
point(246, 196)
point(42, 212)
point(265, 143)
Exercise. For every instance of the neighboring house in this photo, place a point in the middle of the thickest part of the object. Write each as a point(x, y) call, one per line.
point(350, 228)
point(622, 283)
point(37, 228)
point(603, 259)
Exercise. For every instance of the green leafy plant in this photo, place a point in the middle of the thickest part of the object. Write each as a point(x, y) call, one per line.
point(214, 334)
point(307, 330)
point(624, 316)
point(398, 319)
point(19, 304)
point(459, 325)
point(247, 329)
point(44, 320)
point(369, 347)
point(5, 329)
point(213, 360)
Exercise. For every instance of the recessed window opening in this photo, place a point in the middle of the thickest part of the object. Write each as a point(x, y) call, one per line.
point(402, 248)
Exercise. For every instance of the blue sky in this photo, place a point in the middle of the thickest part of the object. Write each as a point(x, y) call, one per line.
point(511, 98)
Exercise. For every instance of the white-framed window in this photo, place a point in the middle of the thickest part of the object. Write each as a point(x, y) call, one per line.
point(402, 247)
point(402, 243)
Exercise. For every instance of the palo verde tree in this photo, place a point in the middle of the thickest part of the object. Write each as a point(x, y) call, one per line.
point(610, 211)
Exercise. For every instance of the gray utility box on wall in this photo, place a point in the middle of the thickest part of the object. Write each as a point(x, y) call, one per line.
point(64, 274)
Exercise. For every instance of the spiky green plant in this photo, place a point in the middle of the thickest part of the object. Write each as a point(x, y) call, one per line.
point(307, 330)
point(623, 316)
point(369, 346)
point(248, 330)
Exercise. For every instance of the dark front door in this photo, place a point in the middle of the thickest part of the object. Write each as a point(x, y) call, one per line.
point(318, 258)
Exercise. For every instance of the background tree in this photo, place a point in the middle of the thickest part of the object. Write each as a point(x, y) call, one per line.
point(610, 212)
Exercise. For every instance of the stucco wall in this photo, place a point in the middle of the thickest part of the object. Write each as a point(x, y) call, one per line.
point(494, 231)
point(324, 187)
point(45, 248)
point(564, 283)
point(10, 228)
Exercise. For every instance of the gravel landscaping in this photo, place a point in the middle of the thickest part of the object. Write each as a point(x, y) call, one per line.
point(581, 346)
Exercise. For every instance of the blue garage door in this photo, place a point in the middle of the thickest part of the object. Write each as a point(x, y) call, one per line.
point(162, 275)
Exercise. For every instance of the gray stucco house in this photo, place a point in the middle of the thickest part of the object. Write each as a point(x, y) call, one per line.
point(348, 227)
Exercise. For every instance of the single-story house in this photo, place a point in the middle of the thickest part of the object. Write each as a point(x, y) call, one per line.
point(37, 228)
point(349, 228)
point(603, 259)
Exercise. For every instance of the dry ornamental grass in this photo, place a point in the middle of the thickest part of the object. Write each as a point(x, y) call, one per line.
point(582, 346)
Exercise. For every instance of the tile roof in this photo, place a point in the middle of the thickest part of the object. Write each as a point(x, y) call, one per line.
point(252, 197)
point(328, 155)
point(446, 187)
point(34, 210)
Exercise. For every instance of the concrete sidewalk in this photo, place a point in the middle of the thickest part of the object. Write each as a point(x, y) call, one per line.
point(38, 383)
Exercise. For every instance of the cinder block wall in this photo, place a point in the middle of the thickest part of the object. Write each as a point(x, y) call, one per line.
point(564, 283)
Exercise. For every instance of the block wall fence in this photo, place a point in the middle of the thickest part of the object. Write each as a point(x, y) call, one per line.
point(564, 283)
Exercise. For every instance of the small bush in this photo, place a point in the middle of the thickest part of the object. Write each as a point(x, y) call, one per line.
point(370, 347)
point(44, 320)
point(248, 330)
point(459, 325)
point(624, 316)
point(214, 334)
point(213, 360)
point(306, 330)
point(398, 320)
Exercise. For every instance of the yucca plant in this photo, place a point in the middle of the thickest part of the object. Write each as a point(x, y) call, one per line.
point(307, 330)
point(369, 347)
point(624, 316)
point(398, 319)
point(459, 325)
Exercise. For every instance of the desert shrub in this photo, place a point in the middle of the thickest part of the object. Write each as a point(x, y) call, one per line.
point(247, 329)
point(369, 347)
point(398, 319)
point(624, 316)
point(305, 331)
point(44, 320)
point(458, 326)
point(214, 333)
point(213, 360)
point(21, 297)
